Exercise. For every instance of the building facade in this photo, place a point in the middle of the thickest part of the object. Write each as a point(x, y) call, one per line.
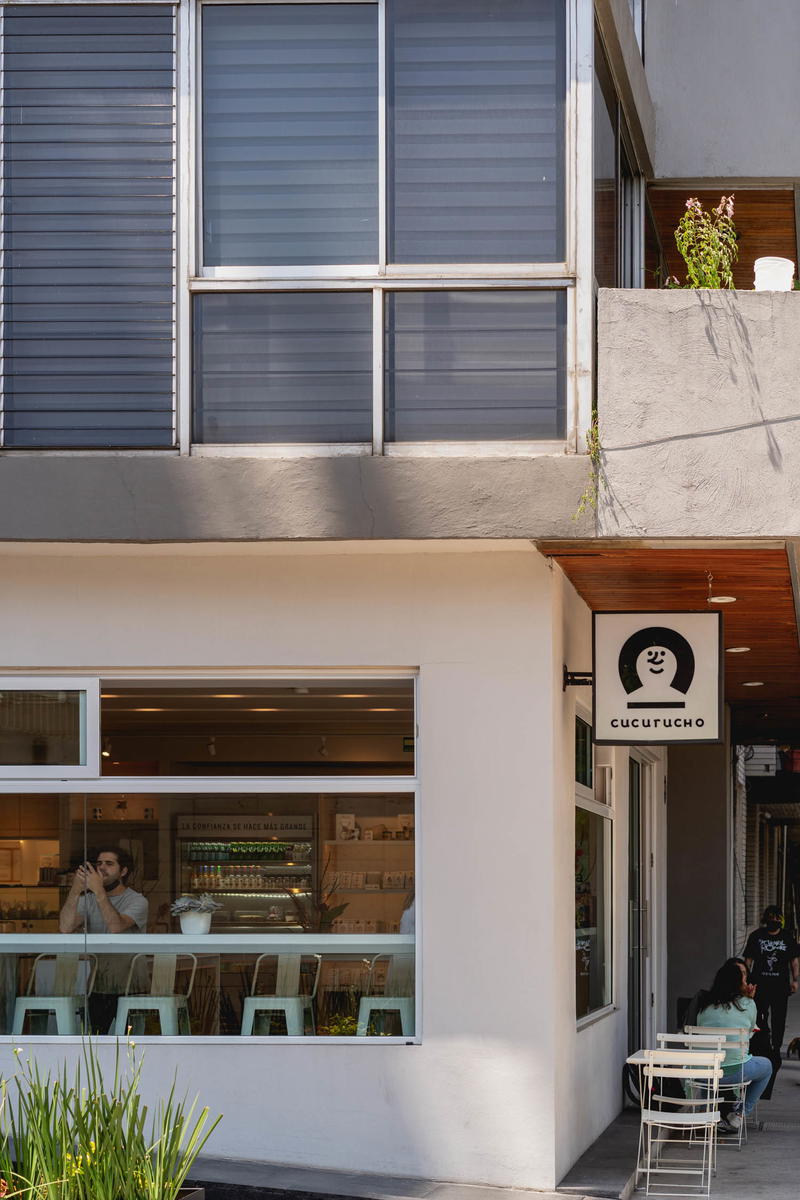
point(307, 311)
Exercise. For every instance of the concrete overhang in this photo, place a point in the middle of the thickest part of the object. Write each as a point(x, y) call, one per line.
point(156, 499)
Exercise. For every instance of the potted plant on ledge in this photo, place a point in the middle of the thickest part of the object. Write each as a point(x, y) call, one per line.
point(195, 912)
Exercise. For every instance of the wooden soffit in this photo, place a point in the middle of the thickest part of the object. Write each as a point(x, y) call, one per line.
point(666, 579)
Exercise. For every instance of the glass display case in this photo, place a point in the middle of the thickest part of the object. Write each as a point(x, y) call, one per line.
point(259, 869)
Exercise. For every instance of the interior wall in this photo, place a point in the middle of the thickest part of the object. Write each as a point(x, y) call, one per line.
point(474, 1102)
point(698, 868)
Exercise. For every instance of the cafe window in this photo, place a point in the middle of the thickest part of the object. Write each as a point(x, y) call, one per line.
point(48, 727)
point(593, 845)
point(288, 899)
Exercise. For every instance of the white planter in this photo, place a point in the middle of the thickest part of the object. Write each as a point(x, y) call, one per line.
point(774, 274)
point(195, 922)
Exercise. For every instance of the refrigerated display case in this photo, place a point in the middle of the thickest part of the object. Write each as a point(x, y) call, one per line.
point(261, 870)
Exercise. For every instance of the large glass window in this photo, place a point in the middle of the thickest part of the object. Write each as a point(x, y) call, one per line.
point(290, 133)
point(474, 366)
point(592, 844)
point(593, 833)
point(376, 142)
point(606, 171)
point(48, 727)
point(283, 368)
point(171, 906)
point(476, 131)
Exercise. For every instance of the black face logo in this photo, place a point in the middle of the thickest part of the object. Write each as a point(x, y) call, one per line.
point(655, 661)
point(661, 655)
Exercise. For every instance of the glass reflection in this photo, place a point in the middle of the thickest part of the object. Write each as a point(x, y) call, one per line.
point(307, 895)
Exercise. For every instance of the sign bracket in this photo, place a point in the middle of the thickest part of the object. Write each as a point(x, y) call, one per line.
point(576, 679)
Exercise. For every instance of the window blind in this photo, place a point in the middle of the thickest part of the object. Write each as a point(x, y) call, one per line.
point(475, 366)
point(283, 367)
point(290, 134)
point(476, 130)
point(87, 226)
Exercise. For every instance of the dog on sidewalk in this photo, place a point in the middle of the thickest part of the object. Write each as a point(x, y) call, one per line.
point(793, 1049)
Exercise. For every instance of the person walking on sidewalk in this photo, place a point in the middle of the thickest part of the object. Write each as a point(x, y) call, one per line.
point(772, 959)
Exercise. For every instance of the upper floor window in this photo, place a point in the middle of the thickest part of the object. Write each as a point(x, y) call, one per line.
point(371, 251)
point(338, 134)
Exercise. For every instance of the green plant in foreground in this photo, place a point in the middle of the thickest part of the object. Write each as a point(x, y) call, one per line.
point(708, 245)
point(85, 1137)
point(594, 450)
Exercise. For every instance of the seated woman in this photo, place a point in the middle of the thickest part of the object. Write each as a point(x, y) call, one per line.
point(729, 1004)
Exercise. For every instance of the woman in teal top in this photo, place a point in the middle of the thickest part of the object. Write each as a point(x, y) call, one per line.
point(729, 1004)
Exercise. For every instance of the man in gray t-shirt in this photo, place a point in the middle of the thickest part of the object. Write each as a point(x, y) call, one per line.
point(100, 901)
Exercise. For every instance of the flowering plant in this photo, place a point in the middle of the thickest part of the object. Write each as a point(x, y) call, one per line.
point(707, 242)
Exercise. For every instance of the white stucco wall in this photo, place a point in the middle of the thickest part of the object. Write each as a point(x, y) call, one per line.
point(590, 1056)
point(706, 61)
point(477, 1101)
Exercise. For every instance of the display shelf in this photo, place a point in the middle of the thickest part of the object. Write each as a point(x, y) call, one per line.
point(237, 862)
point(364, 891)
point(370, 842)
point(285, 895)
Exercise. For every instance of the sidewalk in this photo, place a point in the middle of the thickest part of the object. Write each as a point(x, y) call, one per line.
point(769, 1166)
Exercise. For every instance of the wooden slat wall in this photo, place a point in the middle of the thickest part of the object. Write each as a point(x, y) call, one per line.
point(763, 617)
point(764, 220)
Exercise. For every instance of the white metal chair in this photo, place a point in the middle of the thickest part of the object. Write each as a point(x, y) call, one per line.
point(172, 1007)
point(397, 995)
point(72, 985)
point(732, 1093)
point(286, 999)
point(679, 1167)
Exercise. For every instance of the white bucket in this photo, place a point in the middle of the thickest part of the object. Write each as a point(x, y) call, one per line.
point(195, 922)
point(774, 274)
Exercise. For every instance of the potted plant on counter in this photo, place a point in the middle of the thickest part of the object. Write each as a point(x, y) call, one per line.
point(195, 912)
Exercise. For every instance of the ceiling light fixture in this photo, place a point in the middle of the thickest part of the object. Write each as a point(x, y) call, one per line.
point(754, 683)
point(147, 710)
point(717, 599)
point(106, 751)
point(352, 696)
point(263, 710)
point(382, 710)
point(227, 696)
point(736, 649)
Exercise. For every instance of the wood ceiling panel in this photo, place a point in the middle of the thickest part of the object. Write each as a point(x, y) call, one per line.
point(763, 616)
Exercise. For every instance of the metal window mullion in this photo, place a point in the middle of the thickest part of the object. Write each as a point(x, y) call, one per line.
point(580, 252)
point(2, 232)
point(187, 201)
point(182, 201)
point(377, 370)
point(382, 139)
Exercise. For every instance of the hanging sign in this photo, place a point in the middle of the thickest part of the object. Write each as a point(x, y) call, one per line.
point(657, 677)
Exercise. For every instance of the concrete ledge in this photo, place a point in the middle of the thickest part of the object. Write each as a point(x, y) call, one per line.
point(109, 498)
point(241, 1179)
point(608, 1167)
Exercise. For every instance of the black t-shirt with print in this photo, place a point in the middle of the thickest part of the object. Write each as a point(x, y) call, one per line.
point(771, 954)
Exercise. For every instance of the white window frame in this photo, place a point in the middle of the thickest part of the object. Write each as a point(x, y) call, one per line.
point(383, 276)
point(89, 736)
point(585, 798)
point(71, 779)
